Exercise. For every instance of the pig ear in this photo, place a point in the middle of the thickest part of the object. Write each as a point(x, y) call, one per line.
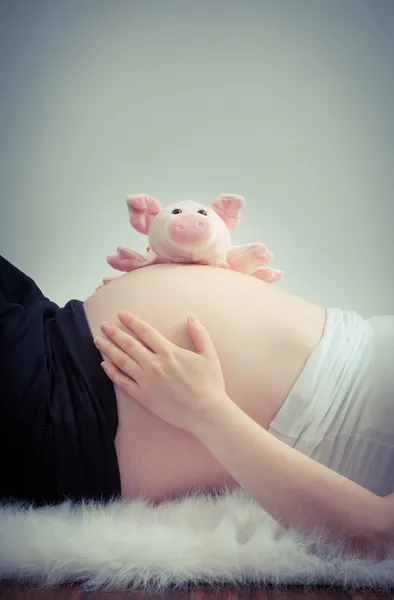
point(142, 211)
point(228, 207)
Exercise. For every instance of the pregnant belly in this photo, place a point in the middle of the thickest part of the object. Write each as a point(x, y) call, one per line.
point(263, 338)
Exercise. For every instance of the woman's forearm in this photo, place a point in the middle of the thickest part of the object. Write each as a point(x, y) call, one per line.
point(187, 390)
point(291, 487)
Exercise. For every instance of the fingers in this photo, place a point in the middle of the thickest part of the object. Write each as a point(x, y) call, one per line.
point(127, 384)
point(201, 339)
point(122, 359)
point(148, 334)
point(127, 343)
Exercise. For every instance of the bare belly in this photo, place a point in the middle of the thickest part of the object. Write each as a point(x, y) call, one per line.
point(263, 337)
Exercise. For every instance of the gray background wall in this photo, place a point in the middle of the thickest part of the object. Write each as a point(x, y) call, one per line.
point(289, 103)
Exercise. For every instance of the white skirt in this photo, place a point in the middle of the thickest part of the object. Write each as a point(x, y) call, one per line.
point(340, 412)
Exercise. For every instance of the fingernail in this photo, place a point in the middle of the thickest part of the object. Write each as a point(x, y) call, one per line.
point(192, 318)
point(97, 340)
point(105, 366)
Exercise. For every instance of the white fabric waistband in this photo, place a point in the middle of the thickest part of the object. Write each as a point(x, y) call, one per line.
point(332, 367)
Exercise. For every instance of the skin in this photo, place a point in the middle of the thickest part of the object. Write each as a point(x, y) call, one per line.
point(185, 388)
point(263, 337)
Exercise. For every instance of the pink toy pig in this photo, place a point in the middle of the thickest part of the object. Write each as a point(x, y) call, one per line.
point(190, 232)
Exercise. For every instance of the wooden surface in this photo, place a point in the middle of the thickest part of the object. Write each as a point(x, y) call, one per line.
point(9, 591)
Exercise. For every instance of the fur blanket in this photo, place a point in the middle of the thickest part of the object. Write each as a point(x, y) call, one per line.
point(223, 539)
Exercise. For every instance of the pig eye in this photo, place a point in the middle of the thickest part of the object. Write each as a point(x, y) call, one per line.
point(176, 211)
point(202, 212)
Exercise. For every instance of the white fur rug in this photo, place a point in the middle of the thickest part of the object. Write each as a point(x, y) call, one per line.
point(197, 539)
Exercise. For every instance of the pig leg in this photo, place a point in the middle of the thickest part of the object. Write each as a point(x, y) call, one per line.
point(128, 260)
point(267, 274)
point(249, 257)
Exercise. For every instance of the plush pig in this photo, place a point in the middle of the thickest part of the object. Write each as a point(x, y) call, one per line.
point(190, 232)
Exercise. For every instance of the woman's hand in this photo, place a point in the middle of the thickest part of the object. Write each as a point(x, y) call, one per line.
point(180, 386)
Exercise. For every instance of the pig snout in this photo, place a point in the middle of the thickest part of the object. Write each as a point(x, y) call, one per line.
point(189, 229)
